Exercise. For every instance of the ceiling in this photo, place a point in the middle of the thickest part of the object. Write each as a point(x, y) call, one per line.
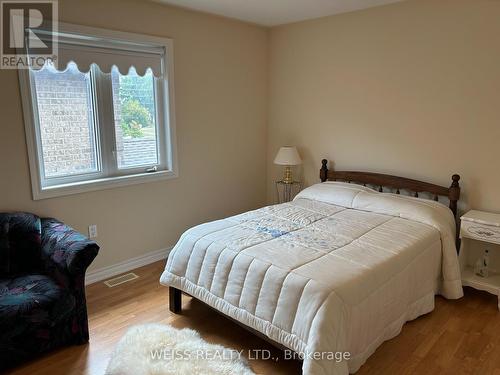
point(276, 12)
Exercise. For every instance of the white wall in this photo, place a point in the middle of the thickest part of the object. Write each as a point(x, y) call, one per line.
point(410, 89)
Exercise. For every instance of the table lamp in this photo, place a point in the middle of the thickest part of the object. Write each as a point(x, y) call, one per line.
point(288, 156)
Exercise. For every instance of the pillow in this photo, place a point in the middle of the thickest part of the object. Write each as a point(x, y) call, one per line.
point(20, 243)
point(334, 192)
point(351, 185)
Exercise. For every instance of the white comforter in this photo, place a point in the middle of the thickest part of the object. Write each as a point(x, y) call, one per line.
point(339, 269)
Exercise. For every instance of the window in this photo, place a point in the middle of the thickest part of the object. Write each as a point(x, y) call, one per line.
point(135, 119)
point(104, 116)
point(66, 122)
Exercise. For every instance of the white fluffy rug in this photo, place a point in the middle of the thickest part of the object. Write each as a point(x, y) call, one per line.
point(155, 349)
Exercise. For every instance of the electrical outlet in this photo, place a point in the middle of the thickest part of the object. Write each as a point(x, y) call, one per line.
point(92, 231)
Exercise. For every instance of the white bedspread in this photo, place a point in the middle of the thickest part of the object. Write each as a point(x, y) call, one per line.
point(339, 269)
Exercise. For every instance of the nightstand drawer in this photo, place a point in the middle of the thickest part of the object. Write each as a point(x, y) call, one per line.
point(480, 232)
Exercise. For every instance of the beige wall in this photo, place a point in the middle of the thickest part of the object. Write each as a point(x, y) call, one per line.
point(410, 89)
point(221, 86)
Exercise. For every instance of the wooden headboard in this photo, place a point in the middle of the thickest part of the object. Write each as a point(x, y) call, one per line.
point(396, 182)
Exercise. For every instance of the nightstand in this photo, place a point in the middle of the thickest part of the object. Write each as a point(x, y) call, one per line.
point(287, 191)
point(479, 231)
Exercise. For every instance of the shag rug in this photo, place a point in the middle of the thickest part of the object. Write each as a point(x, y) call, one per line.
point(157, 349)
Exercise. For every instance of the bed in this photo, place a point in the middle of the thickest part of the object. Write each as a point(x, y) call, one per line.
point(339, 269)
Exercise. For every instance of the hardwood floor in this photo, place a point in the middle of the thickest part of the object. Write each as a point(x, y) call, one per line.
point(459, 337)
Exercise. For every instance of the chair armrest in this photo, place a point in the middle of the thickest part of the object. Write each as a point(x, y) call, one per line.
point(65, 249)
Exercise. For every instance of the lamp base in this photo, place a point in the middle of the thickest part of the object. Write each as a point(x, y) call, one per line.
point(287, 176)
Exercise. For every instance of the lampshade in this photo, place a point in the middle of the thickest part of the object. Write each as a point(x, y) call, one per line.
point(288, 156)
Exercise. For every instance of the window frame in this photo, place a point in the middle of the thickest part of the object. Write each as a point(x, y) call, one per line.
point(165, 125)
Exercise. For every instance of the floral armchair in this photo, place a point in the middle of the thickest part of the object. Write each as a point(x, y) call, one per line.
point(42, 291)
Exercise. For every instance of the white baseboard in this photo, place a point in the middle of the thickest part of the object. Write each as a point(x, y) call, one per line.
point(126, 265)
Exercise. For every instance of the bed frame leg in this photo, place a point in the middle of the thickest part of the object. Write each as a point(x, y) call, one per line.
point(175, 302)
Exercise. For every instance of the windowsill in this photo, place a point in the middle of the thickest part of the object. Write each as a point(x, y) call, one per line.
point(101, 184)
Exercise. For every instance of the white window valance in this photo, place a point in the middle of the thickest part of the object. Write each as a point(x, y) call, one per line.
point(85, 50)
